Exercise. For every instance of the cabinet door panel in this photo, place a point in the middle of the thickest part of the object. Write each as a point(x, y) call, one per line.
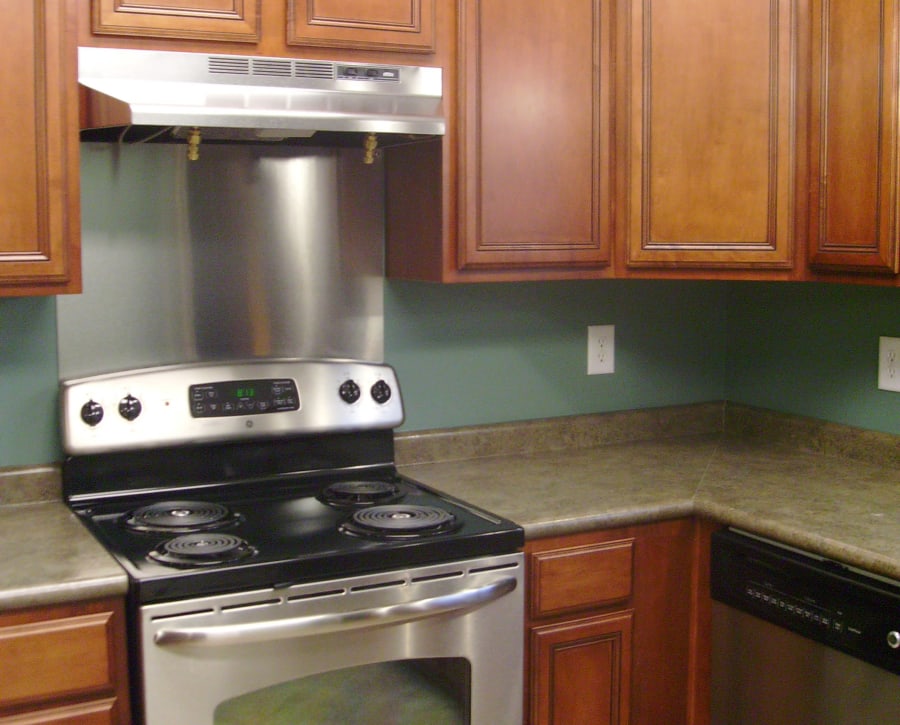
point(39, 221)
point(224, 20)
point(583, 671)
point(388, 24)
point(535, 102)
point(709, 126)
point(853, 195)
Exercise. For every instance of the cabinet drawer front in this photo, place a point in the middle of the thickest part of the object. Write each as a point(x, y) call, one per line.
point(56, 657)
point(581, 577)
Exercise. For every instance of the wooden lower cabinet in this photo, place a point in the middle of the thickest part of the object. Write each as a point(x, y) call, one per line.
point(64, 664)
point(617, 626)
point(583, 670)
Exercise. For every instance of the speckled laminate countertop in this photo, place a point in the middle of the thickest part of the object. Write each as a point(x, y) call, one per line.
point(846, 510)
point(822, 487)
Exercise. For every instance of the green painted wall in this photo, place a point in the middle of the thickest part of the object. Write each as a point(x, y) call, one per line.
point(812, 349)
point(487, 353)
point(28, 374)
point(484, 353)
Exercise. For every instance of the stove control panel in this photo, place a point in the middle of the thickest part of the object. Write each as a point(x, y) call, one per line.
point(243, 397)
point(226, 401)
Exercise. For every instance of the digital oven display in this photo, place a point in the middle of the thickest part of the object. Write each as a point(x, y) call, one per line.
point(243, 397)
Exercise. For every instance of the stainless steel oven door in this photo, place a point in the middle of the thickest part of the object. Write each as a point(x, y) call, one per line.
point(436, 644)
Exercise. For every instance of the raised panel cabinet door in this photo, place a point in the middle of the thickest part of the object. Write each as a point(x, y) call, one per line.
point(582, 671)
point(708, 132)
point(39, 200)
point(220, 20)
point(853, 135)
point(401, 25)
point(535, 167)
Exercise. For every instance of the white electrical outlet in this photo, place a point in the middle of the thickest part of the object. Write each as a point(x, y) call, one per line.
point(601, 349)
point(889, 363)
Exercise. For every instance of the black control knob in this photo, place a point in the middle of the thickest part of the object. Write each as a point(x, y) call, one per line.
point(129, 407)
point(381, 392)
point(349, 391)
point(92, 412)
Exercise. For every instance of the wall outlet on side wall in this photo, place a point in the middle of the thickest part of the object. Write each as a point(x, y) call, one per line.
point(601, 349)
point(889, 363)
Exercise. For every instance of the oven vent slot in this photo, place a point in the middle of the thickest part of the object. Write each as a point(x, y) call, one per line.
point(317, 595)
point(499, 567)
point(251, 605)
point(380, 585)
point(177, 615)
point(436, 577)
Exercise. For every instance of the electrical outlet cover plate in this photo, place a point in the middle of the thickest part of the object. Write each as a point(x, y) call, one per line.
point(889, 363)
point(601, 350)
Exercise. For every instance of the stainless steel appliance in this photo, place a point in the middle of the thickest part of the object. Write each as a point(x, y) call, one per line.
point(799, 640)
point(281, 570)
point(243, 97)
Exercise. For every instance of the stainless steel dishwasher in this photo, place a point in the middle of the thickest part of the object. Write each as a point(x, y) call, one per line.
point(800, 640)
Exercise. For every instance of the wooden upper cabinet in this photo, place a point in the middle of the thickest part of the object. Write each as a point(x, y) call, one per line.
point(853, 135)
point(218, 20)
point(708, 144)
point(39, 198)
point(400, 25)
point(535, 167)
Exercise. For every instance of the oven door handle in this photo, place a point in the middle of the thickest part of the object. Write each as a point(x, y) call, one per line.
point(277, 629)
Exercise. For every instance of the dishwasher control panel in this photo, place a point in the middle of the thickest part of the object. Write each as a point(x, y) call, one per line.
point(815, 597)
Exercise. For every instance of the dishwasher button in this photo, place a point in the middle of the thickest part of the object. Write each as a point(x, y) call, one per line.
point(893, 639)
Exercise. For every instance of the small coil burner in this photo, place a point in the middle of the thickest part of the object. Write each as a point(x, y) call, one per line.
point(354, 494)
point(203, 549)
point(400, 522)
point(180, 517)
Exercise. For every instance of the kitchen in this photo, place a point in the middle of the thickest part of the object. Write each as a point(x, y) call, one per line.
point(467, 355)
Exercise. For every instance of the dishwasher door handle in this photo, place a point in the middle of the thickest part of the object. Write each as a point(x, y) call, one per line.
point(276, 629)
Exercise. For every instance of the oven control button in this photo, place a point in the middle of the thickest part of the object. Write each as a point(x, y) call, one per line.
point(349, 391)
point(381, 392)
point(92, 412)
point(129, 407)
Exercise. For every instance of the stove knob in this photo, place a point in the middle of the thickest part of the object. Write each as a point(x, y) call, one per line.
point(349, 391)
point(381, 392)
point(129, 407)
point(92, 412)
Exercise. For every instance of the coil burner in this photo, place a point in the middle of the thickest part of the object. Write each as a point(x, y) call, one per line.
point(203, 549)
point(400, 522)
point(360, 493)
point(181, 517)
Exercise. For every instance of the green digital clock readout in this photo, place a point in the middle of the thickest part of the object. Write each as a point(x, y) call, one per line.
point(245, 392)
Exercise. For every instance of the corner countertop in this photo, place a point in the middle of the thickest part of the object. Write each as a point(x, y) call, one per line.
point(820, 487)
point(845, 510)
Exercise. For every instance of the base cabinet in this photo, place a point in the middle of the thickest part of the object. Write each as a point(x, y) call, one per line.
point(64, 664)
point(584, 670)
point(615, 627)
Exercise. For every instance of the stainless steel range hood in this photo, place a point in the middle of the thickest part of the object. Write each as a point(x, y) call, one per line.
point(246, 97)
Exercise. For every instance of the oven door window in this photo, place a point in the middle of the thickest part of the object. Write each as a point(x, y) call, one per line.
point(402, 692)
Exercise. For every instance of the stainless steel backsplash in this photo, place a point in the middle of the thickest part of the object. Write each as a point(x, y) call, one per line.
point(251, 251)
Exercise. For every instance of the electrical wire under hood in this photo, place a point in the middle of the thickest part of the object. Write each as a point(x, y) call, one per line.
point(257, 97)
